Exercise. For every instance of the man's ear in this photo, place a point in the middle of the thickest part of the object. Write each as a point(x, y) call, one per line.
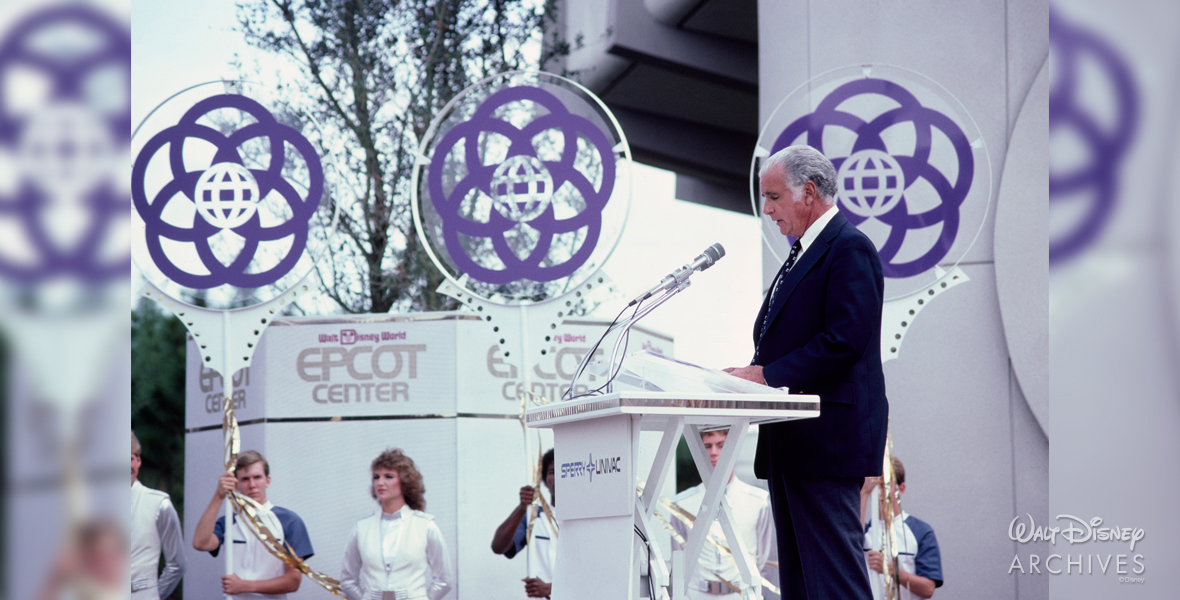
point(810, 193)
point(901, 488)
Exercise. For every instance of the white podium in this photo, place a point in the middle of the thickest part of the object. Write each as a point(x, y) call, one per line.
point(603, 520)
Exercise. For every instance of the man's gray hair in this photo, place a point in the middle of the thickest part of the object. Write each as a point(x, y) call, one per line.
point(801, 164)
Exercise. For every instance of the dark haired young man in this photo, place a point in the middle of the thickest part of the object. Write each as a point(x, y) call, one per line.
point(512, 535)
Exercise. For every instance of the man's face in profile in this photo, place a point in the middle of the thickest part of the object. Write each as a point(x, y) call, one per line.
point(781, 204)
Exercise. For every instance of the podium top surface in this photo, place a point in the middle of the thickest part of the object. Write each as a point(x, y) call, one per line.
point(697, 408)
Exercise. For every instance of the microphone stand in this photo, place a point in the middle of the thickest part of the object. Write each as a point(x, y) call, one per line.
point(621, 328)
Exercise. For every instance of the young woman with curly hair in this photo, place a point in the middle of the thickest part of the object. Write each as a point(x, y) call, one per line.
point(397, 553)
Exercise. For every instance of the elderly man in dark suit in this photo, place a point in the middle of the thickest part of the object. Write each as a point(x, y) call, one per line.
point(819, 332)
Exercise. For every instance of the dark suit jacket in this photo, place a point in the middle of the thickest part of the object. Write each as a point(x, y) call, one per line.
point(824, 338)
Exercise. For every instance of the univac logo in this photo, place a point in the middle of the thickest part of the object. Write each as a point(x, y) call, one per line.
point(590, 468)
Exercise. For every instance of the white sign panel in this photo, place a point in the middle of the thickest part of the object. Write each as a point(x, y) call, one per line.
point(203, 394)
point(593, 468)
point(386, 367)
point(496, 385)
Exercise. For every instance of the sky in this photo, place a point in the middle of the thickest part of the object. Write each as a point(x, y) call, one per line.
point(711, 321)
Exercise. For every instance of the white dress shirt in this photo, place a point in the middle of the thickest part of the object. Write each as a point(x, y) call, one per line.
point(402, 553)
point(814, 230)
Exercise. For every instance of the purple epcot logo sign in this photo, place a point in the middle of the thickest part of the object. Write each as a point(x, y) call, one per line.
point(64, 131)
point(518, 199)
point(910, 163)
point(1087, 65)
point(226, 196)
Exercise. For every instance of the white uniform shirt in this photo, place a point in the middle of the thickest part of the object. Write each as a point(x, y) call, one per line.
point(753, 523)
point(543, 548)
point(402, 552)
point(155, 528)
point(252, 561)
point(917, 552)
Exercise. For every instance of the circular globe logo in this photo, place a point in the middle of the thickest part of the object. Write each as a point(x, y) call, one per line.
point(522, 188)
point(226, 194)
point(908, 159)
point(227, 198)
point(870, 183)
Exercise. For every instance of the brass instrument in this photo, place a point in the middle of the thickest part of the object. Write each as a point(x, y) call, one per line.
point(887, 495)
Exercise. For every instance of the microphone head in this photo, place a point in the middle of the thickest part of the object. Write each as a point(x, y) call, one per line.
point(712, 254)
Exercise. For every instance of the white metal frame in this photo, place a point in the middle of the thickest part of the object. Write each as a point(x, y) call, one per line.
point(688, 415)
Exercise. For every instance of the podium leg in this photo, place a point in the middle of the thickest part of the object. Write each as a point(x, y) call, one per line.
point(713, 505)
point(662, 464)
point(679, 577)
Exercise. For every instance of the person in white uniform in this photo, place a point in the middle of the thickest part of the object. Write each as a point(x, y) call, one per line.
point(257, 575)
point(398, 552)
point(919, 560)
point(753, 523)
point(155, 529)
point(512, 535)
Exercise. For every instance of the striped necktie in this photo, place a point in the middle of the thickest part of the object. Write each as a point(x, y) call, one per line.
point(796, 248)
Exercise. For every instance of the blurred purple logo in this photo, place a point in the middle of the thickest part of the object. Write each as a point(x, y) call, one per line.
point(874, 183)
point(523, 189)
point(65, 119)
point(227, 196)
point(1101, 140)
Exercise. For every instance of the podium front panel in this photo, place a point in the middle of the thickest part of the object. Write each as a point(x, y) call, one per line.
point(594, 468)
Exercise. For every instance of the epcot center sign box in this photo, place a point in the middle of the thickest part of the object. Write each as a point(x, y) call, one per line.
point(323, 396)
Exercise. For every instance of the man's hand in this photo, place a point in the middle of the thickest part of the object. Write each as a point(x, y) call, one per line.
point(750, 373)
point(876, 561)
point(233, 585)
point(225, 484)
point(535, 588)
point(527, 493)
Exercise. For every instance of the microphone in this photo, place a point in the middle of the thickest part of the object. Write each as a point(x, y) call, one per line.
point(711, 255)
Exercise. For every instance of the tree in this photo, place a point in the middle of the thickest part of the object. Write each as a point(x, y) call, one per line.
point(372, 75)
point(158, 345)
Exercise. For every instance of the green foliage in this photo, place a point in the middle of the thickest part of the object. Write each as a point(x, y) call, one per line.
point(157, 397)
point(686, 470)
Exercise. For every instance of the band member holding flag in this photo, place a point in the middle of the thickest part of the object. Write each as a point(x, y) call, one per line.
point(398, 552)
point(919, 569)
point(513, 534)
point(257, 573)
